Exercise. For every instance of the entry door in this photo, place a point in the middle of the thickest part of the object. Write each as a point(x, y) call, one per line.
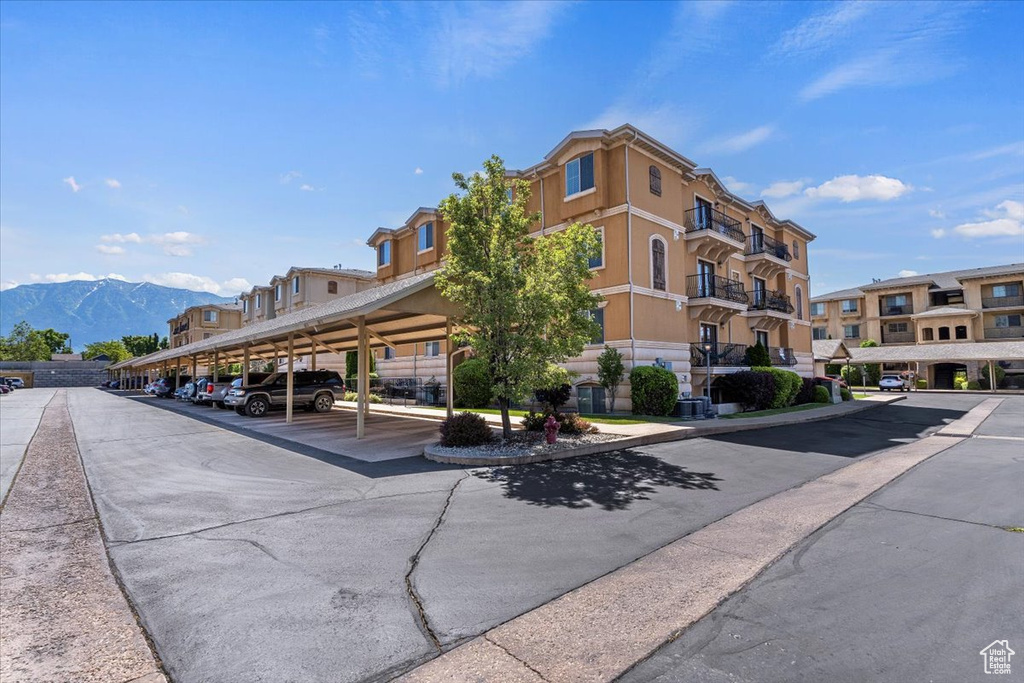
point(702, 215)
point(756, 239)
point(705, 278)
point(761, 337)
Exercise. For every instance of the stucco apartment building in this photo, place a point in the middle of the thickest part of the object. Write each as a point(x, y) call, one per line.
point(959, 306)
point(202, 322)
point(691, 274)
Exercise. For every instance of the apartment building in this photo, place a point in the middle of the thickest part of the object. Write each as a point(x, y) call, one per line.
point(202, 322)
point(300, 288)
point(959, 306)
point(691, 274)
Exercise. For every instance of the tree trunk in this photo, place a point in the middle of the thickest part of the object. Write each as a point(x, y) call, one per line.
point(611, 400)
point(506, 423)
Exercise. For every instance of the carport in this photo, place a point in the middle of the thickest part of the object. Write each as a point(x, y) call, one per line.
point(403, 312)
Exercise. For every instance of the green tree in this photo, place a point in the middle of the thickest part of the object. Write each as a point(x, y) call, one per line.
point(872, 371)
point(24, 344)
point(610, 372)
point(352, 365)
point(525, 301)
point(141, 344)
point(114, 350)
point(56, 341)
point(756, 356)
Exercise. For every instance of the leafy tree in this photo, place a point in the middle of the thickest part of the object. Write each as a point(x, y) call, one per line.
point(114, 350)
point(24, 344)
point(525, 301)
point(352, 365)
point(610, 372)
point(472, 384)
point(872, 371)
point(141, 344)
point(555, 388)
point(56, 341)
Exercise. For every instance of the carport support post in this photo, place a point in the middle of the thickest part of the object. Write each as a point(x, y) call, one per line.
point(194, 368)
point(362, 377)
point(992, 376)
point(245, 366)
point(289, 400)
point(312, 355)
point(177, 374)
point(216, 364)
point(449, 353)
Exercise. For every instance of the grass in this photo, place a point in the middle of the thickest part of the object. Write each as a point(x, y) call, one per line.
point(774, 411)
point(862, 395)
point(600, 417)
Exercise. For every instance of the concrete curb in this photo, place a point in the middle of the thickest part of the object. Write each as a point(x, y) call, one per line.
point(680, 434)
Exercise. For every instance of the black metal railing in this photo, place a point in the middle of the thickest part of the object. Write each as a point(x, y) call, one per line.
point(769, 300)
point(1002, 301)
point(702, 286)
point(763, 244)
point(721, 355)
point(905, 309)
point(781, 356)
point(1004, 332)
point(404, 390)
point(706, 218)
point(898, 337)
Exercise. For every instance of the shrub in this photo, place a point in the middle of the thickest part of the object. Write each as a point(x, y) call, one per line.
point(574, 424)
point(555, 389)
point(787, 385)
point(922, 384)
point(534, 422)
point(351, 396)
point(1000, 376)
point(376, 398)
point(960, 383)
point(653, 390)
point(757, 356)
point(853, 376)
point(806, 393)
point(973, 385)
point(352, 365)
point(846, 395)
point(465, 429)
point(472, 382)
point(822, 395)
point(752, 389)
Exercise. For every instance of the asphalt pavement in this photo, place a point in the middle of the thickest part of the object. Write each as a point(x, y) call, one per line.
point(257, 561)
point(908, 585)
point(20, 412)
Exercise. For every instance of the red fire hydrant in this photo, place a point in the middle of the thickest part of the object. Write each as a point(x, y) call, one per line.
point(551, 429)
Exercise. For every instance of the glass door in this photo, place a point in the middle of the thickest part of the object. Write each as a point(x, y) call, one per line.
point(702, 215)
point(705, 278)
point(760, 293)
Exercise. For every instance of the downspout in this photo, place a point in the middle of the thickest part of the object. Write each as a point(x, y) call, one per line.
point(629, 256)
point(543, 216)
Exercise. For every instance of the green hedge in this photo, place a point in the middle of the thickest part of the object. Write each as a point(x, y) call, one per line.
point(787, 386)
point(653, 390)
point(472, 383)
point(821, 395)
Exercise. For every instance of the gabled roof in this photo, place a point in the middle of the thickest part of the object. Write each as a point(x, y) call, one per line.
point(946, 311)
point(828, 349)
point(721, 189)
point(950, 279)
point(338, 272)
point(962, 351)
point(852, 293)
point(428, 210)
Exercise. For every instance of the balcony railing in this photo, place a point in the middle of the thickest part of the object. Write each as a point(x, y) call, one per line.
point(702, 286)
point(1002, 301)
point(721, 355)
point(905, 309)
point(768, 300)
point(781, 356)
point(763, 244)
point(898, 337)
point(706, 218)
point(1004, 332)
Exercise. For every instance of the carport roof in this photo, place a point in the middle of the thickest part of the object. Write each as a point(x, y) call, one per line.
point(829, 349)
point(930, 353)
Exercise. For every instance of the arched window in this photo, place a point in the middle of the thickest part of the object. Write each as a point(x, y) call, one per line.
point(658, 274)
point(928, 334)
point(798, 294)
point(943, 333)
point(332, 287)
point(655, 180)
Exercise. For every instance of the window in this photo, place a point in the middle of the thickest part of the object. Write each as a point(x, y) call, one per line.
point(598, 261)
point(796, 249)
point(597, 315)
point(259, 301)
point(658, 279)
point(961, 331)
point(277, 292)
point(849, 306)
point(207, 335)
point(928, 334)
point(798, 294)
point(384, 254)
point(761, 337)
point(655, 180)
point(760, 290)
point(245, 305)
point(819, 333)
point(943, 333)
point(895, 300)
point(209, 316)
point(332, 287)
point(851, 331)
point(1007, 321)
point(295, 285)
point(590, 399)
point(999, 291)
point(426, 236)
point(579, 175)
point(817, 309)
point(708, 334)
point(432, 348)
point(389, 353)
point(897, 327)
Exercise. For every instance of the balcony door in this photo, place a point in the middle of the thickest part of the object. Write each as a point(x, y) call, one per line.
point(706, 278)
point(760, 294)
point(761, 337)
point(708, 334)
point(756, 239)
point(702, 213)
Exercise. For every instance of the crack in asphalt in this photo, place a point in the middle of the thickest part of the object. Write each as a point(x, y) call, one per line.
point(415, 560)
point(876, 506)
point(53, 526)
point(506, 651)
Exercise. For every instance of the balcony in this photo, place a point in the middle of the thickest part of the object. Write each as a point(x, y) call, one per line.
point(720, 355)
point(898, 337)
point(781, 356)
point(1004, 332)
point(905, 309)
point(713, 235)
point(1002, 301)
point(715, 298)
point(766, 256)
point(769, 309)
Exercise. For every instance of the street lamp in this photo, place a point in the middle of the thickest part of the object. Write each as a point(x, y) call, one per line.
point(708, 348)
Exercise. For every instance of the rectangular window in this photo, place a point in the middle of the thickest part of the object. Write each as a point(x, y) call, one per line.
point(597, 315)
point(999, 291)
point(819, 333)
point(384, 254)
point(761, 337)
point(851, 331)
point(579, 175)
point(426, 236)
point(259, 301)
point(277, 292)
point(332, 287)
point(849, 306)
point(209, 316)
point(295, 285)
point(818, 309)
point(432, 348)
point(1007, 321)
point(389, 353)
point(894, 300)
point(897, 327)
point(598, 261)
point(245, 305)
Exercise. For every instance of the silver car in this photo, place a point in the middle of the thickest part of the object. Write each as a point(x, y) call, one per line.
point(891, 382)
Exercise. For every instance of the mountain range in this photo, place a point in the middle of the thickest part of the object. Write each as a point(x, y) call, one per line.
point(97, 310)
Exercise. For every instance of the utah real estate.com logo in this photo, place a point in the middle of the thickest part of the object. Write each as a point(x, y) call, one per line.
point(997, 657)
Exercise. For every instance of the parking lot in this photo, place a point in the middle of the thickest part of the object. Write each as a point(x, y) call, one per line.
point(265, 559)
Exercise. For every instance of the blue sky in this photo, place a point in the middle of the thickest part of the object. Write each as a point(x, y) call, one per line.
point(212, 146)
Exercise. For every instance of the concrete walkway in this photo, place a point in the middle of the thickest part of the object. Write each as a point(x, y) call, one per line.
point(63, 614)
point(19, 416)
point(598, 631)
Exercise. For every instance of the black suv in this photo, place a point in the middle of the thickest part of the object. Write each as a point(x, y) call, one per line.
point(314, 390)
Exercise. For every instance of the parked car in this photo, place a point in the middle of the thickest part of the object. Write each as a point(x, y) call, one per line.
point(314, 390)
point(890, 382)
point(4, 389)
point(219, 390)
point(15, 382)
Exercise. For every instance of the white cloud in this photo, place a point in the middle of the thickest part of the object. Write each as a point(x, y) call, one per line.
point(1015, 149)
point(740, 142)
point(736, 185)
point(70, 182)
point(418, 171)
point(666, 122)
point(236, 284)
point(936, 213)
point(816, 33)
point(908, 273)
point(1007, 220)
point(289, 176)
point(853, 188)
point(109, 249)
point(307, 188)
point(69, 277)
point(178, 243)
point(938, 233)
point(118, 237)
point(783, 188)
point(113, 183)
point(198, 283)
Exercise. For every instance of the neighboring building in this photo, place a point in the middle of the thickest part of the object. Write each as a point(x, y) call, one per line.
point(685, 264)
point(960, 306)
point(300, 288)
point(202, 322)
